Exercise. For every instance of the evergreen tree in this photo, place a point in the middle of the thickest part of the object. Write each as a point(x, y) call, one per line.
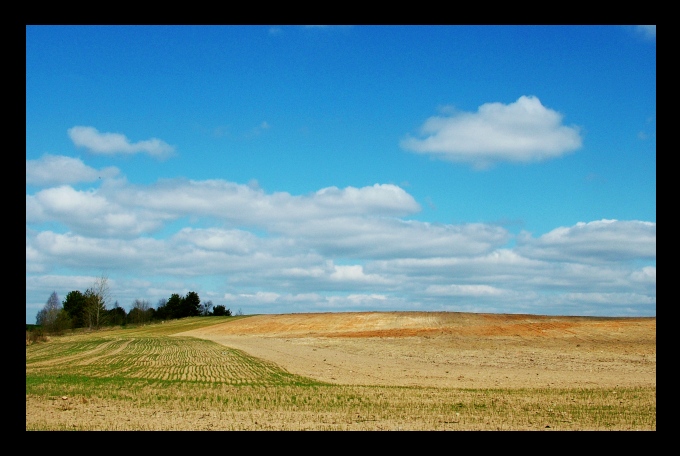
point(191, 305)
point(74, 305)
point(117, 315)
point(220, 311)
point(173, 307)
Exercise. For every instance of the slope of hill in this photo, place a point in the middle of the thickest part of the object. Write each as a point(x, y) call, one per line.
point(449, 349)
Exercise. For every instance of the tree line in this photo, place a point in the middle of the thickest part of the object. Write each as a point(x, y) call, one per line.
point(90, 310)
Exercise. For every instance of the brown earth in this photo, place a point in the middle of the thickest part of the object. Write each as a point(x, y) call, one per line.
point(450, 349)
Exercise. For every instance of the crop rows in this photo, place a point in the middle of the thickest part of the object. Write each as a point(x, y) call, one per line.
point(167, 359)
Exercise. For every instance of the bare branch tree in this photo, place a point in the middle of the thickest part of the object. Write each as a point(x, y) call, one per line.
point(205, 307)
point(97, 299)
point(139, 312)
point(47, 317)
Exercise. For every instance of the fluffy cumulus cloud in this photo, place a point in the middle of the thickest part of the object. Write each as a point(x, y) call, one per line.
point(58, 170)
point(117, 143)
point(117, 207)
point(89, 212)
point(85, 252)
point(243, 204)
point(523, 131)
point(335, 249)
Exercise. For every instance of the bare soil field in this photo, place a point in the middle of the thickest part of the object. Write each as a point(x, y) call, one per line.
point(349, 371)
point(450, 349)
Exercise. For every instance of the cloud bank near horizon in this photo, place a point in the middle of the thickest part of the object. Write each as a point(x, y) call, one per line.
point(333, 249)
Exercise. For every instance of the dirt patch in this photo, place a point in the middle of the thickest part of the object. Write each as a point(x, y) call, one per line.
point(449, 349)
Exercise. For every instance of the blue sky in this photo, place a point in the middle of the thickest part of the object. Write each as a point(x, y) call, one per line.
point(280, 169)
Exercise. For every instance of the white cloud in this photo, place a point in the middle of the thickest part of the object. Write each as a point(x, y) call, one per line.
point(356, 301)
point(89, 212)
point(516, 275)
point(366, 200)
point(523, 131)
point(245, 205)
point(261, 296)
point(355, 273)
point(313, 272)
point(58, 281)
point(116, 143)
point(351, 221)
point(271, 302)
point(85, 252)
point(212, 239)
point(380, 237)
point(610, 298)
point(366, 297)
point(645, 275)
point(58, 170)
point(496, 265)
point(334, 250)
point(597, 241)
point(35, 259)
point(465, 290)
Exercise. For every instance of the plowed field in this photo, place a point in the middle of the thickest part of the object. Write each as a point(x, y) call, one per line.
point(449, 349)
